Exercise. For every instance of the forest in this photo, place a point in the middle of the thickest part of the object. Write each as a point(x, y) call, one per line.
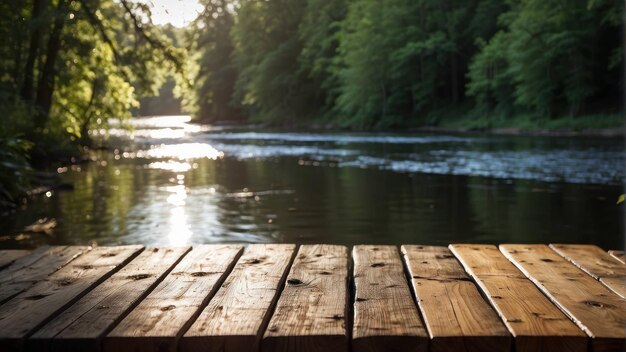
point(70, 68)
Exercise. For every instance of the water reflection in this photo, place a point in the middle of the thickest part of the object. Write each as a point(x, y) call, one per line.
point(309, 188)
point(173, 166)
point(185, 151)
point(179, 232)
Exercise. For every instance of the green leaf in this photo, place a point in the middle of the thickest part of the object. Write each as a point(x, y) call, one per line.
point(620, 199)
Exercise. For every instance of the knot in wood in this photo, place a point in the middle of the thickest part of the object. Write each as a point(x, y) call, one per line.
point(594, 304)
point(294, 282)
point(64, 282)
point(35, 297)
point(139, 276)
point(199, 274)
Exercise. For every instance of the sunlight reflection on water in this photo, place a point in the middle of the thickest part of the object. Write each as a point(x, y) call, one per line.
point(179, 232)
point(184, 151)
point(171, 166)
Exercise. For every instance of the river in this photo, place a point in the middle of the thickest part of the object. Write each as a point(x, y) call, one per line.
point(170, 182)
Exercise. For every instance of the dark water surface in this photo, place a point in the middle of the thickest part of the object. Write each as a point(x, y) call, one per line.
point(173, 183)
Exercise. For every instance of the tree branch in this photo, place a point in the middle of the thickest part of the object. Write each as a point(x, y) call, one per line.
point(97, 24)
point(153, 42)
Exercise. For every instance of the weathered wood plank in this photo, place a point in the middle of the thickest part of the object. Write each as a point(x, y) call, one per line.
point(311, 312)
point(385, 315)
point(591, 259)
point(82, 326)
point(235, 318)
point(28, 311)
point(534, 321)
point(616, 284)
point(619, 255)
point(456, 315)
point(159, 321)
point(601, 314)
point(8, 256)
point(597, 263)
point(38, 265)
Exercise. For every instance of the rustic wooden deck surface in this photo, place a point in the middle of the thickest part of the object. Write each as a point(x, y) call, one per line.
point(283, 297)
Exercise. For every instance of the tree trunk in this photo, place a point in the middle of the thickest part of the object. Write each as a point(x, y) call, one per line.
point(18, 48)
point(45, 88)
point(454, 76)
point(33, 50)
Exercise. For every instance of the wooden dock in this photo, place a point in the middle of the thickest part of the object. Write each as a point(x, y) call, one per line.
point(283, 297)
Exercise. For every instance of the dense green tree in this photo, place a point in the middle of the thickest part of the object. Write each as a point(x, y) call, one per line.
point(372, 64)
point(67, 67)
point(74, 64)
point(319, 33)
point(551, 58)
point(271, 85)
point(402, 59)
point(216, 72)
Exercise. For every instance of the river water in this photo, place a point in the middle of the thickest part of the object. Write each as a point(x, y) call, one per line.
point(170, 182)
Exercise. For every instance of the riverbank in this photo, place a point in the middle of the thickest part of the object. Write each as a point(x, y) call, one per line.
point(616, 132)
point(584, 126)
point(612, 126)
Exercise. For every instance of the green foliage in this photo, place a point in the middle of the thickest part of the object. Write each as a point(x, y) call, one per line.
point(319, 34)
point(489, 77)
point(552, 58)
point(15, 171)
point(216, 72)
point(270, 85)
point(371, 64)
point(403, 59)
point(67, 67)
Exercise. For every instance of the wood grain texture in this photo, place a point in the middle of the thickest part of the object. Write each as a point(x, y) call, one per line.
point(28, 311)
point(235, 318)
point(616, 284)
point(618, 255)
point(385, 315)
point(82, 326)
point(311, 311)
point(159, 321)
point(535, 323)
point(456, 315)
point(38, 265)
point(8, 256)
point(597, 263)
point(601, 314)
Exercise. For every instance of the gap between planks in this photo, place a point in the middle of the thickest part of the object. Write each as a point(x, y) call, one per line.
point(597, 263)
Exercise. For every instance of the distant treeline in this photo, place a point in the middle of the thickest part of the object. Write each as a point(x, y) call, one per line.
point(398, 63)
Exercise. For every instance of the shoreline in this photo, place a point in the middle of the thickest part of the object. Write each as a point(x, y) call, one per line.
point(616, 132)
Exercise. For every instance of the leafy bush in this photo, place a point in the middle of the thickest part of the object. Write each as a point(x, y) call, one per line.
point(15, 171)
